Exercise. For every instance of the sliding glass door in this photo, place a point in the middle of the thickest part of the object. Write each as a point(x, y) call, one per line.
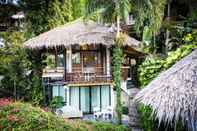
point(87, 98)
point(74, 97)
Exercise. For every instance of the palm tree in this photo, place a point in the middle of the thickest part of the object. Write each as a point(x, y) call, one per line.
point(112, 11)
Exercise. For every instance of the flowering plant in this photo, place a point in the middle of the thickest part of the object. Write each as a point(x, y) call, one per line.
point(5, 101)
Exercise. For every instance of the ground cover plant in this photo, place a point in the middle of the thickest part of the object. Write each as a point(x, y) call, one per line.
point(19, 116)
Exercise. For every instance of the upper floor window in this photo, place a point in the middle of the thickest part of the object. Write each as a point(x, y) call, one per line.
point(50, 61)
point(76, 58)
point(60, 60)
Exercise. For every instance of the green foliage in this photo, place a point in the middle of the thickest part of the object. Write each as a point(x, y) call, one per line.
point(49, 14)
point(14, 63)
point(19, 116)
point(60, 13)
point(125, 110)
point(101, 126)
point(149, 69)
point(152, 66)
point(117, 63)
point(146, 120)
point(36, 95)
point(23, 117)
point(149, 13)
point(57, 102)
point(108, 10)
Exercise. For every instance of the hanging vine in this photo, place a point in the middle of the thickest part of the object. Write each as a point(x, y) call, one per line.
point(117, 62)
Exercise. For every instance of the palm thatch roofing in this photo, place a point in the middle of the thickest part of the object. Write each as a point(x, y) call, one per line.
point(80, 33)
point(173, 94)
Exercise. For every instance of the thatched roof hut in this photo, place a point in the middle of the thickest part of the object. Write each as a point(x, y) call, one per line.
point(173, 94)
point(80, 33)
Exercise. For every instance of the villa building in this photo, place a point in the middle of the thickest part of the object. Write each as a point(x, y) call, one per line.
point(81, 64)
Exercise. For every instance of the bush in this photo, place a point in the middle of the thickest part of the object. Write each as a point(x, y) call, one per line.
point(5, 101)
point(57, 102)
point(125, 110)
point(100, 126)
point(19, 116)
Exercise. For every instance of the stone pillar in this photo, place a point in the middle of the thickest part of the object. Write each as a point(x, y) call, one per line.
point(134, 119)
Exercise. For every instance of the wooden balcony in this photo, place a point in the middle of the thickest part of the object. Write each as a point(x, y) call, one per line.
point(54, 73)
point(88, 76)
point(79, 76)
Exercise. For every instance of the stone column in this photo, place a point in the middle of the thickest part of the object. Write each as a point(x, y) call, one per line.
point(134, 119)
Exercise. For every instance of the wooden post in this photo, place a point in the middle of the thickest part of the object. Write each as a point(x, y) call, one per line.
point(108, 62)
point(56, 57)
point(69, 60)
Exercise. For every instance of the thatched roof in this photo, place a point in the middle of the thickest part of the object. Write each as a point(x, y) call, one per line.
point(78, 32)
point(173, 94)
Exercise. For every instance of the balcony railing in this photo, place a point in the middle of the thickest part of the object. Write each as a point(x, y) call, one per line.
point(54, 73)
point(88, 75)
point(83, 76)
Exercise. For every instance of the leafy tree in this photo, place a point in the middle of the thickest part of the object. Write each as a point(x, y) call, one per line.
point(14, 63)
point(149, 13)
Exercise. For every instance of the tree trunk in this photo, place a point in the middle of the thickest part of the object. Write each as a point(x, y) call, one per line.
point(167, 31)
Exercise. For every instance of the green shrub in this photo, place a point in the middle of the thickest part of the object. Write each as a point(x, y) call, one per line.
point(100, 126)
point(146, 120)
point(154, 65)
point(24, 117)
point(57, 102)
point(125, 110)
point(18, 116)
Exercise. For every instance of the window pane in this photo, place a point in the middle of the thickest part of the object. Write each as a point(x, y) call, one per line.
point(95, 92)
point(105, 96)
point(58, 90)
point(55, 90)
point(76, 58)
point(62, 92)
point(85, 99)
point(60, 60)
point(74, 97)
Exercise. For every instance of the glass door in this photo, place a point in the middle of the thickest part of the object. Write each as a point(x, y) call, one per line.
point(85, 99)
point(95, 98)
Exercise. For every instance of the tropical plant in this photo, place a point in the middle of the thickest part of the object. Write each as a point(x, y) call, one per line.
point(149, 13)
point(57, 102)
point(20, 116)
point(14, 64)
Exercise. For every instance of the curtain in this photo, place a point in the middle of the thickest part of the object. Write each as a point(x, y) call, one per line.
point(55, 90)
point(74, 97)
point(95, 93)
point(58, 90)
point(105, 96)
point(85, 99)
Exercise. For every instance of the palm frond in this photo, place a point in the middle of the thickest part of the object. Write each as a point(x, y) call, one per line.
point(108, 9)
